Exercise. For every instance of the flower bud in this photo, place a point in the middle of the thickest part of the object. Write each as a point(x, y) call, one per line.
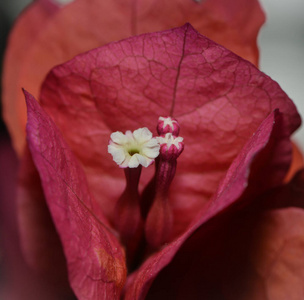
point(167, 125)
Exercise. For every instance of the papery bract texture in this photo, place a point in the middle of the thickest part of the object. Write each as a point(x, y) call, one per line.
point(84, 25)
point(218, 98)
point(41, 246)
point(18, 281)
point(235, 249)
point(95, 259)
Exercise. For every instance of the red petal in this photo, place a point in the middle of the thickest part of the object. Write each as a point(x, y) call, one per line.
point(81, 26)
point(254, 256)
point(255, 253)
point(218, 98)
point(39, 239)
point(18, 281)
point(244, 181)
point(96, 262)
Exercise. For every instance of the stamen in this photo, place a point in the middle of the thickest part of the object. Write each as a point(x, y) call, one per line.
point(167, 125)
point(133, 149)
point(159, 219)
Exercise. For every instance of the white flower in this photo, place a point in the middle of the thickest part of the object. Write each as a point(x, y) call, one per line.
point(133, 148)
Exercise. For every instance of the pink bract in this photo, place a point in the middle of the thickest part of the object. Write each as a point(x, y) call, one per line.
point(236, 123)
point(218, 98)
point(96, 261)
point(46, 35)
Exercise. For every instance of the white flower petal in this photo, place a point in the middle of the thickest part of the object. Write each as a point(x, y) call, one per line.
point(133, 149)
point(117, 153)
point(142, 135)
point(152, 152)
point(119, 138)
point(134, 161)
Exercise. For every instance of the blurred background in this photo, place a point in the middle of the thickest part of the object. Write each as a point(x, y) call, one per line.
point(281, 43)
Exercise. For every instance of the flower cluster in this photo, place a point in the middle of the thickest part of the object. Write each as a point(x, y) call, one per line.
point(221, 221)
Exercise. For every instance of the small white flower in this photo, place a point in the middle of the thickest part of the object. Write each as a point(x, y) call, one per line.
point(133, 148)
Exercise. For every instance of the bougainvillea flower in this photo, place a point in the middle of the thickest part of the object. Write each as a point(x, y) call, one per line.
point(18, 280)
point(47, 34)
point(236, 228)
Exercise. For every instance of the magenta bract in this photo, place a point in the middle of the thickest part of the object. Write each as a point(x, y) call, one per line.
point(96, 261)
point(236, 123)
point(218, 98)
